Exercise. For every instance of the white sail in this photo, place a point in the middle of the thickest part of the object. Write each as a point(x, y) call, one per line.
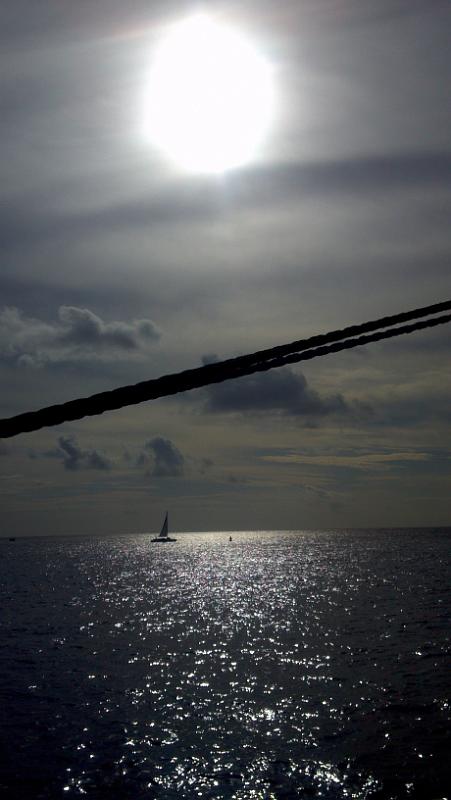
point(164, 529)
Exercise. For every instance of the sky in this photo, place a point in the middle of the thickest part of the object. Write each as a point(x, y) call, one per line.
point(118, 265)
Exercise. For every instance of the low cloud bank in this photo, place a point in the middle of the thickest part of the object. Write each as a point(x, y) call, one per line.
point(75, 458)
point(161, 458)
point(282, 391)
point(78, 335)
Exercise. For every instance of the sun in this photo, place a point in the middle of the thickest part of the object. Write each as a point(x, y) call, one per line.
point(210, 97)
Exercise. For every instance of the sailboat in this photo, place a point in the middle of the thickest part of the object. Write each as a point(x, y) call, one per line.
point(164, 536)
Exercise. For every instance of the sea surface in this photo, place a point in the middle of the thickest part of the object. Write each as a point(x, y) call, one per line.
point(304, 664)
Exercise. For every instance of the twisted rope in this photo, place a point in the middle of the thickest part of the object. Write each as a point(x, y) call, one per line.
point(261, 361)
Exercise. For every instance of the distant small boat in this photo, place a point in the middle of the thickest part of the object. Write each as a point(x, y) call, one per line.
point(164, 536)
point(230, 538)
point(12, 538)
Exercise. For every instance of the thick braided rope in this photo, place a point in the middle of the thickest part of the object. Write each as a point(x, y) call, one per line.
point(278, 356)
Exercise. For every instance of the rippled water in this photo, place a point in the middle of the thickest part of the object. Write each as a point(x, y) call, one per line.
point(280, 665)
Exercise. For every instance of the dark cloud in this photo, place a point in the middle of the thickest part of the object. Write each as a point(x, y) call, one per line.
point(282, 391)
point(78, 335)
point(252, 188)
point(209, 358)
point(162, 457)
point(74, 458)
point(366, 174)
point(95, 460)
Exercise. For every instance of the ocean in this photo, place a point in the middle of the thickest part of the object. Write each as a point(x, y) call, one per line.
point(303, 664)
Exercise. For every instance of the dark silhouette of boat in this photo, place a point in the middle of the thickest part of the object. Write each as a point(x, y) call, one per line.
point(164, 535)
point(12, 538)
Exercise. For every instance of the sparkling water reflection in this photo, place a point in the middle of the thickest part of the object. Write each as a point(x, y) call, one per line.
point(276, 666)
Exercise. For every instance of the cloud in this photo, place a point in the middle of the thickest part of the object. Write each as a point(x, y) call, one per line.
point(162, 457)
point(74, 458)
point(209, 358)
point(251, 188)
point(282, 391)
point(358, 460)
point(79, 335)
point(4, 449)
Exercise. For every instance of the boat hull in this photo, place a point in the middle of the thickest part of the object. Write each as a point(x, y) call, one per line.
point(163, 539)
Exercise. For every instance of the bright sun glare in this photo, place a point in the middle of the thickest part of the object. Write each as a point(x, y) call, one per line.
point(210, 97)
